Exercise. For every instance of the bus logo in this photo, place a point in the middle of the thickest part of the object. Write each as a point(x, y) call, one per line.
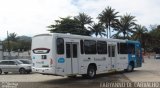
point(33, 57)
point(61, 60)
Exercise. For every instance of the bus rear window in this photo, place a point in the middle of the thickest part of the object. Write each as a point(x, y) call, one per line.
point(41, 51)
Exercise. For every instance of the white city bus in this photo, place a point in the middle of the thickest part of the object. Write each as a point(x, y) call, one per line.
point(71, 55)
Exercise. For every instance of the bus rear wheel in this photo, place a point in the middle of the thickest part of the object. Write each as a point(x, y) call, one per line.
point(91, 72)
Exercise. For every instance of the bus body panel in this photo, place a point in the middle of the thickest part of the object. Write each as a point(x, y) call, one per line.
point(136, 57)
point(73, 62)
point(122, 61)
point(42, 56)
point(64, 64)
point(138, 52)
point(102, 62)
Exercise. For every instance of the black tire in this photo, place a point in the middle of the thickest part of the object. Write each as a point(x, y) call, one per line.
point(91, 72)
point(130, 67)
point(22, 71)
point(0, 71)
point(5, 72)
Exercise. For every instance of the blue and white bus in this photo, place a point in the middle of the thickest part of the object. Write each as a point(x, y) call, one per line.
point(71, 55)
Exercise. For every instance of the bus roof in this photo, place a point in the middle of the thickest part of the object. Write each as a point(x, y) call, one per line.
point(68, 35)
point(42, 35)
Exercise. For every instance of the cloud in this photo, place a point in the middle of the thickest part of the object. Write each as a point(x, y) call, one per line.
point(146, 11)
point(30, 17)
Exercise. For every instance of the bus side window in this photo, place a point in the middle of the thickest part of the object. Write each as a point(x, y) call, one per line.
point(131, 48)
point(90, 47)
point(82, 48)
point(118, 48)
point(113, 51)
point(68, 51)
point(74, 50)
point(102, 47)
point(123, 48)
point(60, 46)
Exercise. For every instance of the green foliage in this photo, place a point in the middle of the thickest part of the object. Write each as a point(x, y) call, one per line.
point(154, 37)
point(73, 26)
point(97, 29)
point(155, 33)
point(83, 19)
point(108, 17)
point(12, 37)
point(17, 43)
point(125, 25)
point(139, 32)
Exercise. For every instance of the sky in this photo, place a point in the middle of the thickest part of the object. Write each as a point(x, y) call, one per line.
point(31, 17)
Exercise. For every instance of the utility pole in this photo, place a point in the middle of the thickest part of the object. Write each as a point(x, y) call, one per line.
point(8, 44)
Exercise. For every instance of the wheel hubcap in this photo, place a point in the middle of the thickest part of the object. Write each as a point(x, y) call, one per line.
point(91, 73)
point(129, 67)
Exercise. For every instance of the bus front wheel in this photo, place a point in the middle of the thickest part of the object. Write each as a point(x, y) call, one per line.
point(130, 67)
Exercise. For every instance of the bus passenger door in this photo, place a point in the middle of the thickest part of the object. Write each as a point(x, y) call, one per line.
point(71, 58)
point(138, 55)
point(112, 55)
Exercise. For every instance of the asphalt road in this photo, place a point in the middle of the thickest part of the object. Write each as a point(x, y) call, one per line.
point(149, 72)
point(49, 81)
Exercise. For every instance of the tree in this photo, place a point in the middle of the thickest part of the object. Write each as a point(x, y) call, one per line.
point(9, 41)
point(12, 37)
point(97, 29)
point(108, 17)
point(125, 25)
point(154, 37)
point(141, 34)
point(22, 43)
point(83, 19)
point(147, 42)
point(138, 34)
point(67, 25)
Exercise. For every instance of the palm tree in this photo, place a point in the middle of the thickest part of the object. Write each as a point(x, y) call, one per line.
point(97, 29)
point(125, 25)
point(66, 25)
point(83, 19)
point(108, 17)
point(148, 41)
point(140, 30)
